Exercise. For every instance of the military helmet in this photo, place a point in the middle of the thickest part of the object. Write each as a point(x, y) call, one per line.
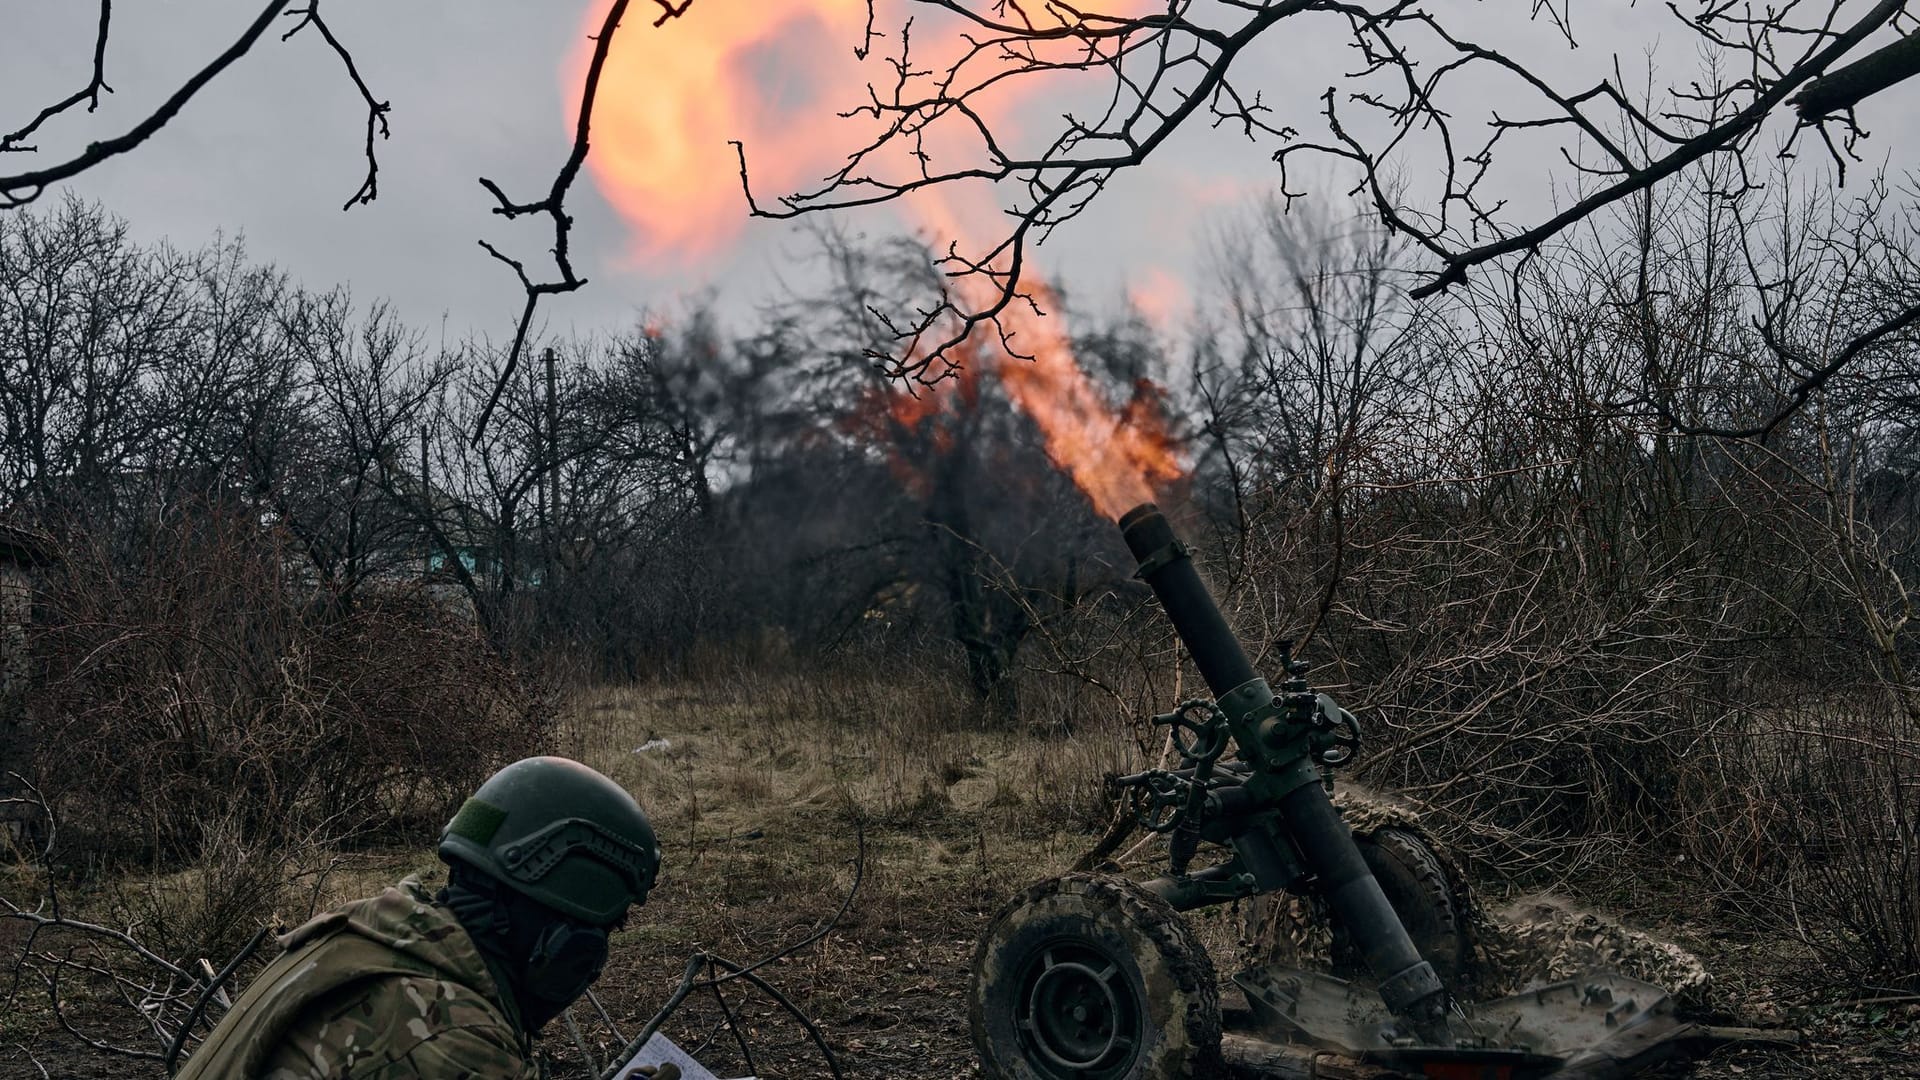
point(560, 833)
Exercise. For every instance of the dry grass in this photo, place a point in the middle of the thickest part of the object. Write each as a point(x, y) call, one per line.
point(726, 755)
point(755, 782)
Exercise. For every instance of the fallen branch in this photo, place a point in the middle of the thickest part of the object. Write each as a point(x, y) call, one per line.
point(690, 979)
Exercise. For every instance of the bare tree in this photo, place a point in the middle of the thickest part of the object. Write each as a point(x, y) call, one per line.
point(127, 373)
point(1132, 78)
point(990, 541)
point(368, 385)
point(1321, 368)
point(86, 317)
point(21, 188)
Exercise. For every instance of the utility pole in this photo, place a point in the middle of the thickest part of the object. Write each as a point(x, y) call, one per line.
point(552, 464)
point(426, 510)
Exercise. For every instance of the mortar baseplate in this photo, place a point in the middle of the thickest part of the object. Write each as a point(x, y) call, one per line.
point(1598, 1025)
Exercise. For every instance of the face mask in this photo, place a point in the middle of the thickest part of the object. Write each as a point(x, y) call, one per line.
point(546, 960)
point(566, 958)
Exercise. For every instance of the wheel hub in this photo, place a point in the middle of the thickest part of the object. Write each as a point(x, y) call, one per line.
point(1078, 1011)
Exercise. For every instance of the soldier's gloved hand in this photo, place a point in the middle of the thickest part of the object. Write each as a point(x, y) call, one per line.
point(666, 1071)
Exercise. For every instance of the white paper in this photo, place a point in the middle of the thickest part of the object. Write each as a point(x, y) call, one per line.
point(660, 1050)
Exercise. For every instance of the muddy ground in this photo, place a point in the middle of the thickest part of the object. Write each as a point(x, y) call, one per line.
point(757, 806)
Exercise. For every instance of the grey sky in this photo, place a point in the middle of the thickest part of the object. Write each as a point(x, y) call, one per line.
point(272, 149)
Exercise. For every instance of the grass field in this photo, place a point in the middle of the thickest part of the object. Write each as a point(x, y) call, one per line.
point(759, 786)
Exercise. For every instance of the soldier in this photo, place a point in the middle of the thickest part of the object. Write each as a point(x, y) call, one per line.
point(543, 862)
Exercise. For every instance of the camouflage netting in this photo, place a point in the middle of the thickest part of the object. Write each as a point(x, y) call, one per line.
point(1529, 943)
point(1542, 941)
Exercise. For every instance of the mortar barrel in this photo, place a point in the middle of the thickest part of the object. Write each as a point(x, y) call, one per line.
point(1188, 604)
point(1408, 983)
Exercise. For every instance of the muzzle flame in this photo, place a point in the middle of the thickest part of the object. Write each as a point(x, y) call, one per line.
point(773, 77)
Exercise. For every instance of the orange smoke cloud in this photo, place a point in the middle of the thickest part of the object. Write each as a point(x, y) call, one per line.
point(774, 76)
point(1115, 455)
point(1161, 298)
point(769, 75)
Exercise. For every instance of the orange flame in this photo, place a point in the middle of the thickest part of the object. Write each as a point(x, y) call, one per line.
point(910, 425)
point(1116, 456)
point(772, 76)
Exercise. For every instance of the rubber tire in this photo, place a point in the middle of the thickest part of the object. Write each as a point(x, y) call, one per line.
point(1167, 970)
point(1422, 895)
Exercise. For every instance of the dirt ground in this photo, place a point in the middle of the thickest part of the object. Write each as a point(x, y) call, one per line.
point(757, 799)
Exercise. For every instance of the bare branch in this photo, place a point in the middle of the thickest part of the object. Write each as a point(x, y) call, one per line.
point(1847, 87)
point(1646, 176)
point(1155, 71)
point(554, 204)
point(669, 10)
point(89, 93)
point(703, 961)
point(376, 110)
point(212, 987)
point(23, 188)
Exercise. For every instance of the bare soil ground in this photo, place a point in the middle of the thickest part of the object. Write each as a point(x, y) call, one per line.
point(757, 790)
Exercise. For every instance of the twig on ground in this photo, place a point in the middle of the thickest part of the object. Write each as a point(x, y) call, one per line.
point(705, 961)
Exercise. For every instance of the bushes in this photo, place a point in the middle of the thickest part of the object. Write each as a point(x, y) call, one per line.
point(1822, 840)
point(194, 685)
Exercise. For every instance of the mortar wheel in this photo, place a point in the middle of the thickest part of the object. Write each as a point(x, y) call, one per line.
point(1091, 976)
point(1422, 894)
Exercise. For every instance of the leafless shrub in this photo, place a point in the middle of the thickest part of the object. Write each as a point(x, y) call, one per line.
point(1579, 632)
point(1811, 832)
point(212, 726)
point(200, 698)
point(102, 983)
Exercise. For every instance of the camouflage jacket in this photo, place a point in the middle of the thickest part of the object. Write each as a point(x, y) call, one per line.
point(380, 989)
